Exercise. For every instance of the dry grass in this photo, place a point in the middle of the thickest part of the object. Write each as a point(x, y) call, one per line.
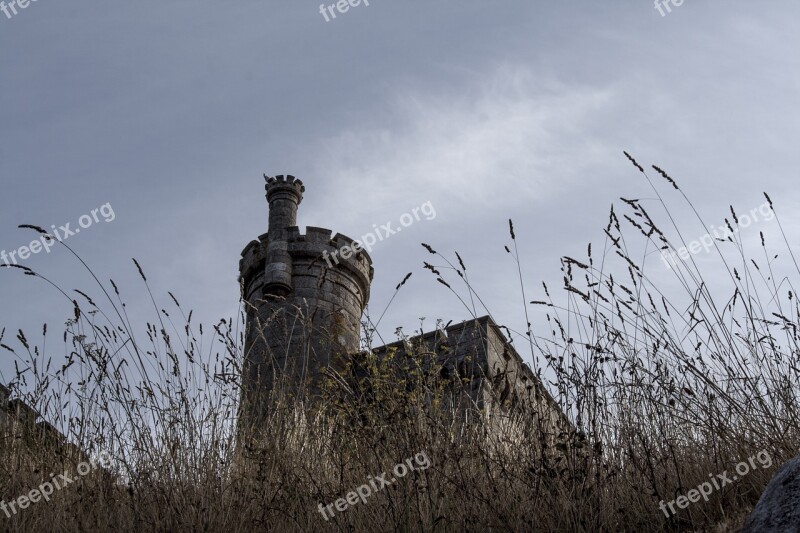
point(663, 394)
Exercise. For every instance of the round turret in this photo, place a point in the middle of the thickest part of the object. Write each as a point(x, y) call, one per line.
point(303, 310)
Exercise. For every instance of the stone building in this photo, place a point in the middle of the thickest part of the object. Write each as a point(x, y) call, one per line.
point(492, 376)
point(304, 311)
point(23, 429)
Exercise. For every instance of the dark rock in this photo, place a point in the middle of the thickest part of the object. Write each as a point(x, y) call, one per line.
point(778, 509)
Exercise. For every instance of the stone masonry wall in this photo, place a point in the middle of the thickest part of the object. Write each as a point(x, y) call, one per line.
point(294, 335)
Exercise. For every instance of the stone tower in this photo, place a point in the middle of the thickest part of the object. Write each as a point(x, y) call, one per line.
point(303, 310)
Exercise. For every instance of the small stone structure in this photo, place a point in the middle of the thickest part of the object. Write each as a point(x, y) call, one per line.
point(484, 374)
point(477, 350)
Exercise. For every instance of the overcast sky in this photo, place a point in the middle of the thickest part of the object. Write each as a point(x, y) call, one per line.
point(171, 112)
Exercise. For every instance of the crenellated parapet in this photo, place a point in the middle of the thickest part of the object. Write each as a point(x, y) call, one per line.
point(281, 183)
point(353, 274)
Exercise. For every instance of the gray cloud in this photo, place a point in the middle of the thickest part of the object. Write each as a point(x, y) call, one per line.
point(171, 112)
